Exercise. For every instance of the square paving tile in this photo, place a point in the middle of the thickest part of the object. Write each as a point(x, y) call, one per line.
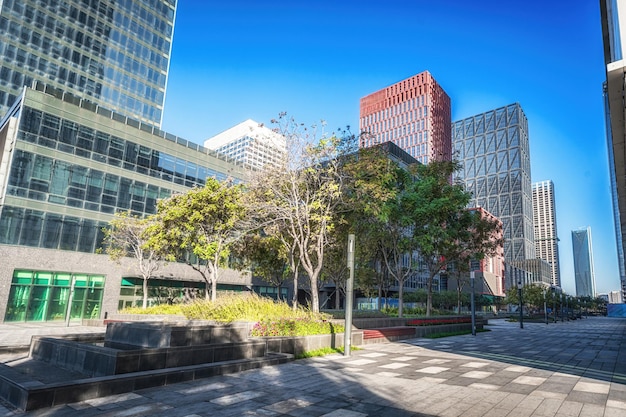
point(480, 386)
point(394, 365)
point(517, 368)
point(373, 355)
point(344, 413)
point(437, 361)
point(403, 358)
point(592, 387)
point(529, 380)
point(236, 398)
point(432, 370)
point(476, 374)
point(388, 374)
point(474, 364)
point(359, 362)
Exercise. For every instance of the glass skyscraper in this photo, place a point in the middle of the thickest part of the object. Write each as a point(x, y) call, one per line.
point(583, 263)
point(613, 14)
point(115, 53)
point(494, 153)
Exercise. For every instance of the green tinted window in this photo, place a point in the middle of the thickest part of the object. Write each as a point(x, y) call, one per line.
point(43, 278)
point(22, 277)
point(81, 280)
point(62, 279)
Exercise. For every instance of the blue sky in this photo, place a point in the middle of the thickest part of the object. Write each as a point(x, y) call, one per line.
point(253, 59)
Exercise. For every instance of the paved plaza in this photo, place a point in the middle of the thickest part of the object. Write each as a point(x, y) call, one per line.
point(575, 368)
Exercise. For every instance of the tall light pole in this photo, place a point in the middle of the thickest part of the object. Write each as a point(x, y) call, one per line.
point(562, 315)
point(545, 305)
point(473, 305)
point(521, 304)
point(347, 334)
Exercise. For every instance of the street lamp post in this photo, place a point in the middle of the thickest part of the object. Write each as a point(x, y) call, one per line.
point(562, 315)
point(554, 303)
point(473, 306)
point(545, 305)
point(521, 305)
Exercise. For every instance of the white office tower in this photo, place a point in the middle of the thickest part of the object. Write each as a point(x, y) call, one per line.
point(251, 143)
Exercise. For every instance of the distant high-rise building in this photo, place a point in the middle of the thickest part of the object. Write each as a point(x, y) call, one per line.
point(613, 16)
point(494, 153)
point(544, 218)
point(583, 262)
point(114, 53)
point(414, 114)
point(250, 143)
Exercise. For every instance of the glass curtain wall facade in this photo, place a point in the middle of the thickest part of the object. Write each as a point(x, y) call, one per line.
point(613, 19)
point(116, 53)
point(544, 219)
point(414, 114)
point(583, 263)
point(494, 154)
point(66, 165)
point(45, 296)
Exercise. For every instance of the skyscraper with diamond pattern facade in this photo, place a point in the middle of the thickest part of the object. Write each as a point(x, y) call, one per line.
point(494, 153)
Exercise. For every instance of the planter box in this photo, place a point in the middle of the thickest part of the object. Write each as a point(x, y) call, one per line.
point(300, 344)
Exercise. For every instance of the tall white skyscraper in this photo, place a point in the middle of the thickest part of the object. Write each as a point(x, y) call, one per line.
point(250, 143)
point(544, 219)
point(583, 262)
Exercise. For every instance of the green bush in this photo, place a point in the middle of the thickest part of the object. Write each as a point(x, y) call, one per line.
point(294, 327)
point(248, 307)
point(158, 309)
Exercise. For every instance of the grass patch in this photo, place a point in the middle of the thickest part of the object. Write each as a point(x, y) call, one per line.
point(158, 309)
point(458, 333)
point(323, 352)
point(248, 307)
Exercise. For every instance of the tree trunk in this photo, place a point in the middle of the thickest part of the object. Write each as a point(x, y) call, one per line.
point(429, 297)
point(145, 292)
point(400, 297)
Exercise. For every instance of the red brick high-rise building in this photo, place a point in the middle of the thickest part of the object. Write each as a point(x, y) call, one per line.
point(414, 114)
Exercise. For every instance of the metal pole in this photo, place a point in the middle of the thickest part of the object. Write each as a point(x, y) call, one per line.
point(562, 315)
point(70, 299)
point(554, 305)
point(545, 305)
point(473, 305)
point(521, 305)
point(347, 334)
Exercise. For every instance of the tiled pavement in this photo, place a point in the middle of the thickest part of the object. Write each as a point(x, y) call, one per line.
point(575, 368)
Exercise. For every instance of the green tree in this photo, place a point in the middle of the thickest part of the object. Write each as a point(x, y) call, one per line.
point(199, 226)
point(439, 220)
point(265, 256)
point(129, 236)
point(301, 196)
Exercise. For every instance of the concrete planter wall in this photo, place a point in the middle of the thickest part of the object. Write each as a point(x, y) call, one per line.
point(300, 344)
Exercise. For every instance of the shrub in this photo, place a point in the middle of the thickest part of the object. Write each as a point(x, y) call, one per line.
point(247, 307)
point(158, 309)
point(294, 327)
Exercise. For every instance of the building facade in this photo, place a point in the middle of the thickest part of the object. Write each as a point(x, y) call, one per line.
point(613, 20)
point(250, 143)
point(494, 154)
point(583, 263)
point(115, 53)
point(414, 114)
point(544, 219)
point(66, 166)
